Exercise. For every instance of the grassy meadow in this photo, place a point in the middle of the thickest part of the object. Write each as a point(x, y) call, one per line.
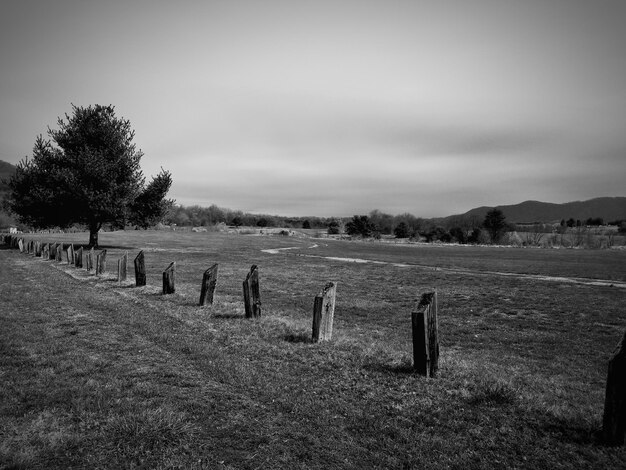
point(94, 374)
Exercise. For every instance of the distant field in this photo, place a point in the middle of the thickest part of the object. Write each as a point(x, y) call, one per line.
point(97, 375)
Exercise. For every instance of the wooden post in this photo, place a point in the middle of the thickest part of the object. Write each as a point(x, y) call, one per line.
point(140, 270)
point(323, 313)
point(89, 259)
point(38, 249)
point(101, 262)
point(251, 293)
point(58, 256)
point(45, 252)
point(78, 258)
point(425, 336)
point(70, 254)
point(614, 421)
point(20, 244)
point(122, 268)
point(169, 278)
point(53, 252)
point(209, 281)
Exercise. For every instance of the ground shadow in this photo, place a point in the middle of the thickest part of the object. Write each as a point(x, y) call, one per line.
point(228, 315)
point(298, 338)
point(403, 368)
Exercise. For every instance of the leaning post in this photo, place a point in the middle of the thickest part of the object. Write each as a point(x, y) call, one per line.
point(252, 294)
point(122, 268)
point(78, 258)
point(209, 281)
point(323, 313)
point(70, 254)
point(101, 262)
point(169, 279)
point(614, 419)
point(140, 269)
point(426, 336)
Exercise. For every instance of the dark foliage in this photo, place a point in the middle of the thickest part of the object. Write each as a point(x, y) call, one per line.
point(91, 177)
point(495, 224)
point(360, 225)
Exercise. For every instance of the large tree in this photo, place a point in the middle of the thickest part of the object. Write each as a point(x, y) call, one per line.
point(91, 176)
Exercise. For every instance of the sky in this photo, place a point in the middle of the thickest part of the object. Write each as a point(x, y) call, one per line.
point(334, 108)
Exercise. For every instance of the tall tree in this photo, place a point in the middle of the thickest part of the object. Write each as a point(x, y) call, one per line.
point(495, 224)
point(91, 177)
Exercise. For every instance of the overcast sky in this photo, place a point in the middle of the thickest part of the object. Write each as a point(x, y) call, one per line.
point(334, 108)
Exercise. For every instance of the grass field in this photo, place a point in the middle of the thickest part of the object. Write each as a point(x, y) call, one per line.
point(94, 374)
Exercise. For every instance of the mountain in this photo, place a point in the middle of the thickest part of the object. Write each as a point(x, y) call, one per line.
point(607, 208)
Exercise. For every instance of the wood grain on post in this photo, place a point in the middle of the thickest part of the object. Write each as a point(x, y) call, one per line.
point(209, 281)
point(614, 420)
point(122, 268)
point(89, 258)
point(140, 270)
point(101, 262)
point(426, 336)
point(252, 294)
point(78, 258)
point(323, 313)
point(169, 279)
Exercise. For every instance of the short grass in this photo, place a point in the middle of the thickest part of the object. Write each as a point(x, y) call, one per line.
point(94, 374)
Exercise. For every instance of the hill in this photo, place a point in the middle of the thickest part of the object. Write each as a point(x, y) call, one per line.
point(607, 208)
point(6, 171)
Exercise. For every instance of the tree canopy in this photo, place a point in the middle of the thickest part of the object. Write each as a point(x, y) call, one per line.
point(91, 176)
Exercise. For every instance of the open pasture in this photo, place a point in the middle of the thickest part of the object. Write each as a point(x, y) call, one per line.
point(101, 375)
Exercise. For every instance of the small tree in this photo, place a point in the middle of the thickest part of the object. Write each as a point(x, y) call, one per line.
point(402, 230)
point(91, 177)
point(495, 224)
point(360, 225)
point(334, 227)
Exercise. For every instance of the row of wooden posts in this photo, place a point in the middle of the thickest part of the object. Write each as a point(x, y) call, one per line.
point(424, 321)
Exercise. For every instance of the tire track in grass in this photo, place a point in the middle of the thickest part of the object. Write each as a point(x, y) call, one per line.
point(467, 272)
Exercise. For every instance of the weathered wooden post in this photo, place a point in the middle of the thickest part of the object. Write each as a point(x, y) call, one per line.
point(45, 252)
point(70, 254)
point(89, 259)
point(140, 270)
point(53, 251)
point(209, 281)
point(58, 256)
point(78, 258)
point(252, 294)
point(614, 420)
point(101, 262)
point(169, 278)
point(20, 245)
point(323, 313)
point(425, 336)
point(122, 268)
point(38, 249)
